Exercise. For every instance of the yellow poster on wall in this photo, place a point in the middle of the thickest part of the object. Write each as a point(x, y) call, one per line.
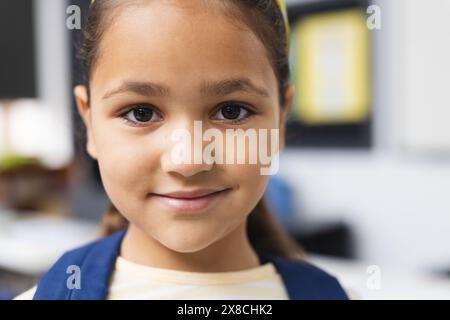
point(331, 67)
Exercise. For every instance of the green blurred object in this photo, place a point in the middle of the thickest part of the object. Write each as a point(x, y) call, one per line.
point(12, 162)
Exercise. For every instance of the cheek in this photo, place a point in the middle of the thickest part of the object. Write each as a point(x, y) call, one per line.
point(251, 185)
point(126, 163)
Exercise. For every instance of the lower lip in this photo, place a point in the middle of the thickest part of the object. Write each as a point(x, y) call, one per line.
point(190, 205)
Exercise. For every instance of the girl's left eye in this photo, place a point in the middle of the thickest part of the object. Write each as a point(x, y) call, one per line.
point(141, 115)
point(233, 112)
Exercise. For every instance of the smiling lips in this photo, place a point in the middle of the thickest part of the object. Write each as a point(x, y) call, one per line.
point(194, 200)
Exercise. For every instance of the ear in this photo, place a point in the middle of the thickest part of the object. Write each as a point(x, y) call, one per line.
point(81, 98)
point(285, 109)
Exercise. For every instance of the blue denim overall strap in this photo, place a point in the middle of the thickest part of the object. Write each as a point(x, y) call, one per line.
point(96, 261)
point(304, 281)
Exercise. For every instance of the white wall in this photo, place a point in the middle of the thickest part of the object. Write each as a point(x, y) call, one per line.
point(397, 200)
point(427, 76)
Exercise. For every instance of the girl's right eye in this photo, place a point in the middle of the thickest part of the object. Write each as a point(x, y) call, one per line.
point(141, 115)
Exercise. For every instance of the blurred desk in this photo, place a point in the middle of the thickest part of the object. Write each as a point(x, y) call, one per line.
point(395, 283)
point(29, 245)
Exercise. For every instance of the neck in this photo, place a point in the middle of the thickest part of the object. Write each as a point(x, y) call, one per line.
point(231, 253)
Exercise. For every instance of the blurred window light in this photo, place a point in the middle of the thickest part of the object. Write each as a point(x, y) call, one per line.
point(32, 133)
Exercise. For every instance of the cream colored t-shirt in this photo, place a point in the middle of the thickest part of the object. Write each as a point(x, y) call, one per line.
point(134, 281)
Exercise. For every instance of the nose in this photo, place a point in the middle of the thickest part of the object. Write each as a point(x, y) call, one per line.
point(187, 170)
point(184, 169)
point(184, 152)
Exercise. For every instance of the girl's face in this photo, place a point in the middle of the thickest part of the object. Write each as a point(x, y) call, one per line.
point(162, 66)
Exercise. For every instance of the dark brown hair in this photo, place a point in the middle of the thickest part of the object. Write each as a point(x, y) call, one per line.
point(265, 19)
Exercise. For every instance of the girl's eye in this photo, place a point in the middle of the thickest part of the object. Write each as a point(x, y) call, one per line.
point(140, 115)
point(233, 112)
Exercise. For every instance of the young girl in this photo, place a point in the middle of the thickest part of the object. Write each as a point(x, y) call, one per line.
point(183, 230)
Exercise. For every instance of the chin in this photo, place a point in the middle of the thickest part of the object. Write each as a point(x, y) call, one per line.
point(186, 244)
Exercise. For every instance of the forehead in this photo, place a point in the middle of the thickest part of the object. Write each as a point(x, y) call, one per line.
point(180, 46)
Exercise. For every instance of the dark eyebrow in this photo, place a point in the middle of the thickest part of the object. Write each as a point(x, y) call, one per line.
point(228, 86)
point(141, 88)
point(211, 88)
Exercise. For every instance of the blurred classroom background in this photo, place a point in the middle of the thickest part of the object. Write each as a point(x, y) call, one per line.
point(364, 184)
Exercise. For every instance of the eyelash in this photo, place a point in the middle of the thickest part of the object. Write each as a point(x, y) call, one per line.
point(243, 106)
point(135, 107)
